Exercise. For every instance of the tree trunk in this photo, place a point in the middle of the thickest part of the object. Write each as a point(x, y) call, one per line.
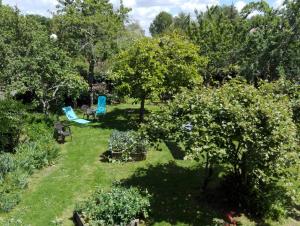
point(142, 110)
point(91, 79)
point(208, 173)
point(45, 107)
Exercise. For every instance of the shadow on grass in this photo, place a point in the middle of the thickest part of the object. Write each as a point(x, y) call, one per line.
point(119, 119)
point(176, 196)
point(175, 150)
point(104, 157)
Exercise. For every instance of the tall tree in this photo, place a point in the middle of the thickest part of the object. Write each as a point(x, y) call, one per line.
point(133, 31)
point(90, 29)
point(157, 66)
point(33, 63)
point(217, 33)
point(271, 46)
point(161, 23)
point(9, 23)
point(182, 22)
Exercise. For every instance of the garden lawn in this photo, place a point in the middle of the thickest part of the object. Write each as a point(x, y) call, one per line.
point(174, 183)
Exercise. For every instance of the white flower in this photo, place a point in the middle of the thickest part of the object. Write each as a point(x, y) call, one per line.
point(53, 37)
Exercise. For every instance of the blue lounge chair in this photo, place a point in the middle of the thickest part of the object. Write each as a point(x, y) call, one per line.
point(73, 117)
point(101, 108)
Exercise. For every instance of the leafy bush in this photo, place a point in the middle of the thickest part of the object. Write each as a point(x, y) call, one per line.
point(37, 151)
point(8, 201)
point(35, 155)
point(11, 124)
point(118, 206)
point(6, 164)
point(289, 89)
point(127, 144)
point(250, 132)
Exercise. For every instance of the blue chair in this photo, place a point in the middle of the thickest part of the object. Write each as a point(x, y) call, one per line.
point(101, 107)
point(73, 117)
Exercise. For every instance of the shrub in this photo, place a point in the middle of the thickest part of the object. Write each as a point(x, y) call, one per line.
point(118, 206)
point(37, 151)
point(7, 164)
point(11, 124)
point(285, 88)
point(126, 145)
point(249, 132)
point(8, 201)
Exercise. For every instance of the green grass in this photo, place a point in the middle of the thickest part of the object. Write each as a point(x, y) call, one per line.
point(173, 183)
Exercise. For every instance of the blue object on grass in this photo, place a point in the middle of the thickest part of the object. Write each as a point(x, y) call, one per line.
point(101, 107)
point(73, 117)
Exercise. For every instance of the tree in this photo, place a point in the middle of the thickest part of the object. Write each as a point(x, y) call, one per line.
point(89, 29)
point(138, 72)
point(258, 43)
point(132, 33)
point(270, 48)
point(161, 23)
point(182, 22)
point(38, 66)
point(155, 66)
point(217, 33)
point(183, 64)
point(9, 20)
point(247, 130)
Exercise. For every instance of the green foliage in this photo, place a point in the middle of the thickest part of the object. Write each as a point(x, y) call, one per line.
point(6, 165)
point(152, 67)
point(119, 206)
point(45, 71)
point(270, 47)
point(285, 88)
point(258, 43)
point(12, 115)
point(8, 201)
point(36, 155)
point(251, 133)
point(184, 66)
point(8, 28)
point(34, 64)
point(38, 150)
point(182, 22)
point(217, 32)
point(90, 29)
point(161, 23)
point(137, 71)
point(132, 33)
point(127, 144)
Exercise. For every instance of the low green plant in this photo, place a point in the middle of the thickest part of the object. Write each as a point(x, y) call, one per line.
point(8, 201)
point(126, 144)
point(37, 151)
point(119, 206)
point(7, 164)
point(11, 124)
